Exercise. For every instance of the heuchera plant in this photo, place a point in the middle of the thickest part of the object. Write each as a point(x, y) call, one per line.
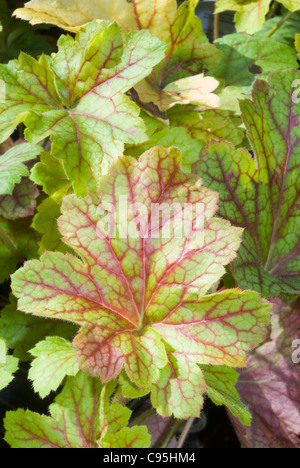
point(149, 222)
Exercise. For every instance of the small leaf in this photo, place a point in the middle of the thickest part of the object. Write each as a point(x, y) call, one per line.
point(263, 194)
point(144, 294)
point(114, 419)
point(179, 390)
point(249, 17)
point(12, 167)
point(49, 173)
point(221, 389)
point(8, 365)
point(45, 222)
point(54, 359)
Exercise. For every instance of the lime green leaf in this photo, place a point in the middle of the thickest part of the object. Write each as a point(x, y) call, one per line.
point(262, 195)
point(22, 332)
point(129, 389)
point(12, 167)
point(54, 359)
point(221, 389)
point(134, 294)
point(77, 98)
point(49, 173)
point(244, 57)
point(114, 419)
point(179, 390)
point(74, 420)
point(249, 17)
point(45, 222)
point(8, 365)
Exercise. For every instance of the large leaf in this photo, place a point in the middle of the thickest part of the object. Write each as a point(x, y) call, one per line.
point(188, 50)
point(138, 293)
point(73, 14)
point(77, 97)
point(270, 385)
point(263, 195)
point(250, 15)
point(245, 56)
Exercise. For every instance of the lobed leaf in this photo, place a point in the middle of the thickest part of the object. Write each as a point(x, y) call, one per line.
point(221, 381)
point(188, 49)
point(74, 420)
point(262, 195)
point(139, 297)
point(54, 360)
point(12, 167)
point(77, 98)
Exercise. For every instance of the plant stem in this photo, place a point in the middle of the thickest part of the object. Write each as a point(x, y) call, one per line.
point(172, 433)
point(273, 9)
point(216, 26)
point(279, 24)
point(144, 416)
point(185, 432)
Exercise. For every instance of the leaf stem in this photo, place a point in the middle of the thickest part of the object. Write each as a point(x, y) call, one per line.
point(172, 433)
point(273, 9)
point(279, 24)
point(147, 414)
point(216, 26)
point(185, 432)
